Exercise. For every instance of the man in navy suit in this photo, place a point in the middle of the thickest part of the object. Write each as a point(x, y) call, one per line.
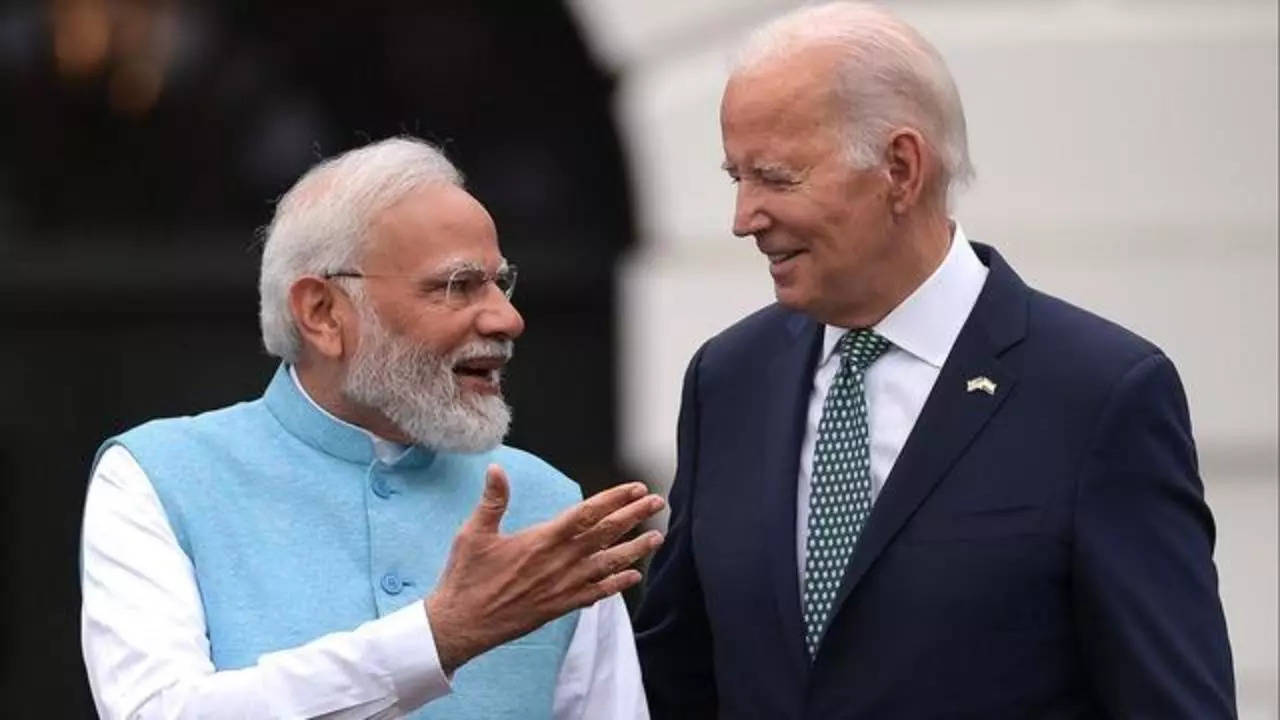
point(916, 487)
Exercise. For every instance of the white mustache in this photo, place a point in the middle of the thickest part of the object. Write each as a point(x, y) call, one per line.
point(504, 349)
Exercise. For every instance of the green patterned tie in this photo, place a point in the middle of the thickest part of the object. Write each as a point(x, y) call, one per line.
point(840, 491)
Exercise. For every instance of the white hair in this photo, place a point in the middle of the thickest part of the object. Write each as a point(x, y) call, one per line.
point(889, 76)
point(320, 224)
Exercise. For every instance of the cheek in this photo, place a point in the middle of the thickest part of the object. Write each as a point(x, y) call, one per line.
point(440, 332)
point(799, 216)
point(851, 229)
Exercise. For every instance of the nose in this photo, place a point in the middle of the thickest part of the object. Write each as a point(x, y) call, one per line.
point(749, 216)
point(498, 317)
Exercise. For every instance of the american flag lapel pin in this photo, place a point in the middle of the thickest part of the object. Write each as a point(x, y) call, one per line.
point(981, 383)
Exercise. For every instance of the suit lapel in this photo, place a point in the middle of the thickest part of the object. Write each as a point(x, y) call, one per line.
point(788, 384)
point(952, 415)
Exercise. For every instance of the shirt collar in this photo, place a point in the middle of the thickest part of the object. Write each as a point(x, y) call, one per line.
point(927, 323)
point(305, 419)
point(386, 450)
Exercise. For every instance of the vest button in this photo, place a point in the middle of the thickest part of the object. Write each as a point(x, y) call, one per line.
point(380, 487)
point(392, 584)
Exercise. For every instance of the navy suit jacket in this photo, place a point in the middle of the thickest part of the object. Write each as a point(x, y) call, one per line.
point(1040, 552)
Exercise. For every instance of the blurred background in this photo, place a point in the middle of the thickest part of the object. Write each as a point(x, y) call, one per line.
point(1126, 154)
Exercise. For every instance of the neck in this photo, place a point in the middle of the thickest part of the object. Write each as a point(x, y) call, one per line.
point(323, 383)
point(921, 246)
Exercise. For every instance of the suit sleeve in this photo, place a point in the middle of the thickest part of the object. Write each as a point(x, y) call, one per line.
point(673, 635)
point(1150, 624)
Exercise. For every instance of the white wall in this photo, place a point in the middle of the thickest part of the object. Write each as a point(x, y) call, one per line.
point(1127, 161)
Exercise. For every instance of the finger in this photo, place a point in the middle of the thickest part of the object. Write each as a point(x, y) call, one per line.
point(584, 516)
point(619, 557)
point(620, 522)
point(594, 592)
point(493, 503)
point(615, 583)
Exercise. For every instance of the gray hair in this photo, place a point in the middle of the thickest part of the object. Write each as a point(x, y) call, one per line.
point(320, 224)
point(889, 77)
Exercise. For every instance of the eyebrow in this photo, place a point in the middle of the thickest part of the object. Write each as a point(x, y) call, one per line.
point(454, 266)
point(763, 169)
point(779, 169)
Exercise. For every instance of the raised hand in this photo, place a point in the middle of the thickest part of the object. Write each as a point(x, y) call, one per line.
point(498, 587)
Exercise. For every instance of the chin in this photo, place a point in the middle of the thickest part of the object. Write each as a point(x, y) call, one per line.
point(793, 298)
point(478, 400)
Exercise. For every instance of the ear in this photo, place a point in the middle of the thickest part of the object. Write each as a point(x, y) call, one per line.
point(320, 312)
point(906, 157)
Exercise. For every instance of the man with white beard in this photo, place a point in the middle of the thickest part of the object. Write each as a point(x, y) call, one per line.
point(357, 543)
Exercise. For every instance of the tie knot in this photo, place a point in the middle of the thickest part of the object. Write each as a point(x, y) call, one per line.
point(860, 348)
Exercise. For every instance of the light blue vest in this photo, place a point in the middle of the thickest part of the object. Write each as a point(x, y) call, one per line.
point(296, 530)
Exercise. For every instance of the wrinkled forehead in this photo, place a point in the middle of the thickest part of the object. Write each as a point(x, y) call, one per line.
point(788, 73)
point(795, 91)
point(774, 118)
point(431, 227)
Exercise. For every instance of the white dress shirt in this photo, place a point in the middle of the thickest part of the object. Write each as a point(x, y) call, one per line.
point(147, 652)
point(922, 330)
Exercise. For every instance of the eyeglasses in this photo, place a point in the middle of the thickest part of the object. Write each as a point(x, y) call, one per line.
point(462, 287)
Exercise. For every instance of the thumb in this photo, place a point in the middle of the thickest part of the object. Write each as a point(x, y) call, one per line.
point(488, 513)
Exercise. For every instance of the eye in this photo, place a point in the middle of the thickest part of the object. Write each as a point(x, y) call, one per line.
point(466, 283)
point(777, 180)
point(433, 286)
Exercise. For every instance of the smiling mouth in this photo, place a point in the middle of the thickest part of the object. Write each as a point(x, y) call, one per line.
point(487, 370)
point(777, 258)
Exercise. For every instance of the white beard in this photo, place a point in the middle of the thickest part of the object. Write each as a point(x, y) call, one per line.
point(418, 391)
